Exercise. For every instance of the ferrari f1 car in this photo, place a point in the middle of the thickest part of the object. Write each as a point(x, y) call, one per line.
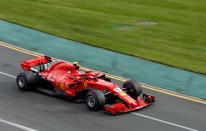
point(65, 79)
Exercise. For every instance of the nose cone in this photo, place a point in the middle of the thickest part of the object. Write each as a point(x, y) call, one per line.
point(106, 84)
point(134, 104)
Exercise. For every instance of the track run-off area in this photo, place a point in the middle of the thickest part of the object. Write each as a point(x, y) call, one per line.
point(34, 111)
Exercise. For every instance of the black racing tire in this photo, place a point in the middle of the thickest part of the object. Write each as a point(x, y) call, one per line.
point(95, 100)
point(25, 80)
point(133, 88)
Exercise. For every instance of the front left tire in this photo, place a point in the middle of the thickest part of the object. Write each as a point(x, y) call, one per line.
point(95, 100)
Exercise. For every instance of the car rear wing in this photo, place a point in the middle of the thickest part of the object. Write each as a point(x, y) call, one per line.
point(28, 64)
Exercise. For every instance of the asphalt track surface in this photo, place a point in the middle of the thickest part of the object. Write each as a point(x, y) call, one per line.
point(35, 111)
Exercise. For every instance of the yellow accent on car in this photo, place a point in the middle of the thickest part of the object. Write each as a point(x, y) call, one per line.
point(62, 86)
point(123, 94)
point(130, 99)
point(75, 62)
point(85, 84)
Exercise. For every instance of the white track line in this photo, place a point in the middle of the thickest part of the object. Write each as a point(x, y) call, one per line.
point(17, 125)
point(162, 121)
point(7, 74)
point(137, 114)
point(11, 123)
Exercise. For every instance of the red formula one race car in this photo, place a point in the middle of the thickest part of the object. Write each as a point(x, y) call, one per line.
point(60, 78)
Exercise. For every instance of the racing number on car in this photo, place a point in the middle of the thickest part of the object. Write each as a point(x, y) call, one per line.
point(51, 77)
point(85, 84)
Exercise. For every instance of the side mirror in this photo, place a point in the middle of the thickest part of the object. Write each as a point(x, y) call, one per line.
point(76, 68)
point(48, 58)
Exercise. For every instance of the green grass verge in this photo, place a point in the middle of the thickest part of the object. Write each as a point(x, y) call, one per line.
point(179, 38)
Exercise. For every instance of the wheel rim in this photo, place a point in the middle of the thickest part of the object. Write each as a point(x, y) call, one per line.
point(91, 101)
point(20, 82)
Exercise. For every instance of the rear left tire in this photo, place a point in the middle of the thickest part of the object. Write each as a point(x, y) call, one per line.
point(25, 80)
